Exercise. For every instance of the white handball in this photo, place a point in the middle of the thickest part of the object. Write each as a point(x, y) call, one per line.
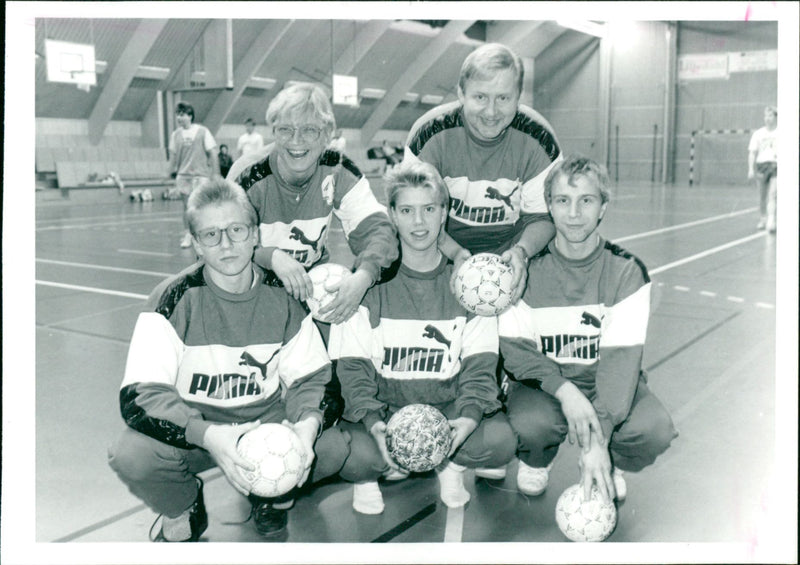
point(585, 520)
point(323, 276)
point(483, 284)
point(279, 456)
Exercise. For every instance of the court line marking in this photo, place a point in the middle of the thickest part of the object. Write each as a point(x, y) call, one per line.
point(686, 225)
point(104, 268)
point(59, 323)
point(454, 525)
point(92, 289)
point(175, 219)
point(706, 253)
point(137, 252)
point(406, 524)
point(210, 475)
point(54, 328)
point(105, 217)
point(692, 341)
point(712, 389)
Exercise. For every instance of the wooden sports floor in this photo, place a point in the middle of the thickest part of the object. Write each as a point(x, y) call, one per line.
point(710, 354)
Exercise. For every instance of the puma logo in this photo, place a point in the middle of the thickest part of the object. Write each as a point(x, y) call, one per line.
point(433, 333)
point(589, 320)
point(297, 233)
point(494, 194)
point(249, 360)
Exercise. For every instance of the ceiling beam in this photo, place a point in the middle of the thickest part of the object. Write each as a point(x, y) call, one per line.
point(360, 45)
point(415, 71)
point(258, 51)
point(543, 40)
point(511, 33)
point(142, 39)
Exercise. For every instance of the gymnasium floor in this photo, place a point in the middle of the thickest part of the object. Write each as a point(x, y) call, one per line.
point(711, 357)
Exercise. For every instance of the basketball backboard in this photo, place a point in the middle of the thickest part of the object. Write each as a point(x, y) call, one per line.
point(70, 62)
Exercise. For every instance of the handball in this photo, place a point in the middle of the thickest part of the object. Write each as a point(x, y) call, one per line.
point(322, 277)
point(279, 456)
point(585, 520)
point(483, 284)
point(418, 437)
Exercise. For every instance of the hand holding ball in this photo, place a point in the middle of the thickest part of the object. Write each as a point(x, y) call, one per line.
point(279, 456)
point(323, 277)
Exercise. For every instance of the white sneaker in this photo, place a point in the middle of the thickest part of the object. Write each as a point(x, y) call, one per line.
point(493, 473)
point(619, 484)
point(451, 484)
point(533, 480)
point(186, 242)
point(367, 498)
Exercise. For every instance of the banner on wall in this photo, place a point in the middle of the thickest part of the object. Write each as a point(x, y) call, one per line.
point(703, 66)
point(751, 61)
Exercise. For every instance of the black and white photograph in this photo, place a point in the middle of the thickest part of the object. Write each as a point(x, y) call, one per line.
point(400, 282)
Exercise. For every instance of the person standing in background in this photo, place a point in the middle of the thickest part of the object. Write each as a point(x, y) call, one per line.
point(251, 141)
point(225, 160)
point(192, 157)
point(762, 165)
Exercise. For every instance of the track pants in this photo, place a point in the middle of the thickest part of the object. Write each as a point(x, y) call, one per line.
point(541, 428)
point(492, 444)
point(163, 476)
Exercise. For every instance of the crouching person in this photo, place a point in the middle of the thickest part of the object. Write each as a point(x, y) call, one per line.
point(574, 346)
point(382, 359)
point(220, 350)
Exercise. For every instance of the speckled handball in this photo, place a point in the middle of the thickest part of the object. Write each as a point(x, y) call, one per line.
point(483, 284)
point(585, 520)
point(418, 437)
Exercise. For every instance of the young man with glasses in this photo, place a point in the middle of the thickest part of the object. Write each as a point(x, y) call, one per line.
point(220, 350)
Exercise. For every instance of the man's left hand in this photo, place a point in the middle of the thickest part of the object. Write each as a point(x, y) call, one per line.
point(515, 257)
point(460, 430)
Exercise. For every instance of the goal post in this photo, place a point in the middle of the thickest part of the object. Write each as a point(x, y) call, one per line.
point(710, 134)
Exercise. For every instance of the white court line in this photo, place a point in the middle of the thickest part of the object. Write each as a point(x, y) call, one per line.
point(116, 223)
point(137, 252)
point(105, 217)
point(92, 289)
point(104, 268)
point(686, 225)
point(454, 525)
point(705, 253)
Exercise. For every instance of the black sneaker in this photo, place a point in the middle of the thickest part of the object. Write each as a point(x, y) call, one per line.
point(270, 522)
point(198, 518)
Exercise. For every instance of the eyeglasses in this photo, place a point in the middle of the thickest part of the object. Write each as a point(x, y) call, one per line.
point(308, 133)
point(213, 236)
